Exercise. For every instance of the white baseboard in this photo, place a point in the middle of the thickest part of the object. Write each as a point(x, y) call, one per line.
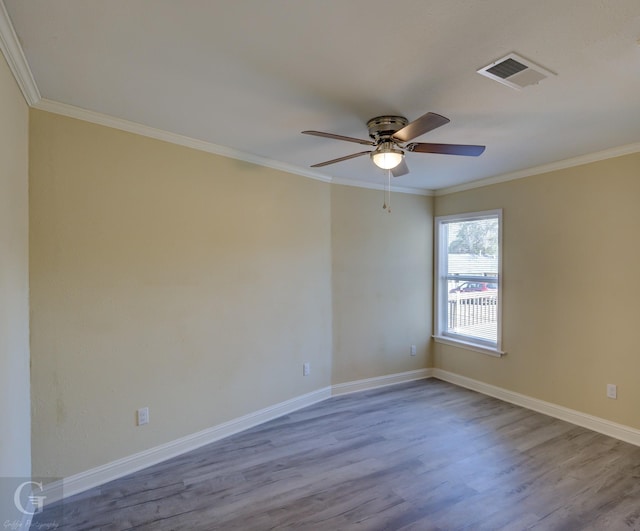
point(100, 475)
point(94, 477)
point(600, 425)
point(379, 381)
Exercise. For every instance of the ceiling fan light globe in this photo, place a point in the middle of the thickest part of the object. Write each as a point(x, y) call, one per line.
point(387, 159)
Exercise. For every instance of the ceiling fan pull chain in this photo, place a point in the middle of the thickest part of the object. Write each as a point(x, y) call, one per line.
point(389, 191)
point(384, 197)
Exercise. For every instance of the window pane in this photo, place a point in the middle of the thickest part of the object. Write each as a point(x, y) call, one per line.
point(472, 278)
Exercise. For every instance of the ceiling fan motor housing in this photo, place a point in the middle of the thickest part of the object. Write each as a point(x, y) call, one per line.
point(383, 127)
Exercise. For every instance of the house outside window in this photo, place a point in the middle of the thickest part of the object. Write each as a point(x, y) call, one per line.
point(468, 280)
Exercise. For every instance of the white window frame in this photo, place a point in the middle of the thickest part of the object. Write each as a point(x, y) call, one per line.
point(441, 291)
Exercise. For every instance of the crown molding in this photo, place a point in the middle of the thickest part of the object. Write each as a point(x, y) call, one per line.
point(611, 153)
point(17, 61)
point(13, 53)
point(378, 186)
point(79, 113)
point(72, 111)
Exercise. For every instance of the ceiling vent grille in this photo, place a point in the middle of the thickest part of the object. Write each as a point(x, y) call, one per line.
point(515, 72)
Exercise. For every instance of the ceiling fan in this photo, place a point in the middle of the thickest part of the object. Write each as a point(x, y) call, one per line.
point(389, 136)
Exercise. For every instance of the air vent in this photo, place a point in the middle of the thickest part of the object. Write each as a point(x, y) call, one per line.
point(515, 72)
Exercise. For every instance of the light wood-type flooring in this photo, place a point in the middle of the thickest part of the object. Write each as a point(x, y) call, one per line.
point(422, 455)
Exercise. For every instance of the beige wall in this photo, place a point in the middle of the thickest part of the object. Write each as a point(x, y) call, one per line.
point(570, 287)
point(166, 277)
point(198, 285)
point(15, 418)
point(382, 267)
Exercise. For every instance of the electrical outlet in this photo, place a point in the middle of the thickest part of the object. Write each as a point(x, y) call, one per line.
point(143, 416)
point(612, 391)
point(306, 369)
point(413, 350)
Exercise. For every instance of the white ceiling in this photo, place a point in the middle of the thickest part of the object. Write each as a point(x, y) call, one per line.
point(251, 74)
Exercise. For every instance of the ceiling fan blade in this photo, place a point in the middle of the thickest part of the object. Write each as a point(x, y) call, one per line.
point(424, 124)
point(333, 161)
point(446, 149)
point(400, 169)
point(339, 137)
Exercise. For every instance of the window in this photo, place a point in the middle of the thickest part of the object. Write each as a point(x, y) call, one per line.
point(468, 283)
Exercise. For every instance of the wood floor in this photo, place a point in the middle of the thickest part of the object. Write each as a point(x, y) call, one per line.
point(424, 455)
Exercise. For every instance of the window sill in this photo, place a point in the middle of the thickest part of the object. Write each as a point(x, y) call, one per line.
point(469, 346)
